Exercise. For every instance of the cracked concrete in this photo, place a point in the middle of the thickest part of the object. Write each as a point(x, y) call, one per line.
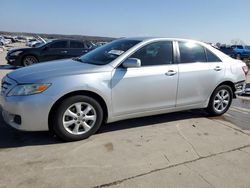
point(134, 156)
point(202, 177)
point(127, 181)
point(183, 136)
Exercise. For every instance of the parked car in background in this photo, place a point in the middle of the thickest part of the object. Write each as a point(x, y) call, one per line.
point(21, 39)
point(124, 79)
point(242, 51)
point(1, 48)
point(98, 44)
point(52, 50)
point(228, 50)
point(1, 41)
point(4, 41)
point(32, 41)
point(37, 44)
point(13, 39)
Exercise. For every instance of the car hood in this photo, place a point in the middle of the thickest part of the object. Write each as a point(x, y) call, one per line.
point(43, 71)
point(18, 49)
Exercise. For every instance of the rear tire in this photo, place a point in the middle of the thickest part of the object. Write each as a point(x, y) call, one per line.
point(220, 100)
point(77, 118)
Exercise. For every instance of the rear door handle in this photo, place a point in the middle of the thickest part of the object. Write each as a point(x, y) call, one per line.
point(64, 52)
point(170, 73)
point(217, 68)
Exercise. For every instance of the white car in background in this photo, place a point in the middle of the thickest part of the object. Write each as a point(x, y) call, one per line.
point(30, 42)
point(1, 48)
point(34, 41)
point(4, 41)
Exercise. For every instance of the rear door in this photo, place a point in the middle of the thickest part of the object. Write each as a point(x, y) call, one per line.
point(200, 71)
point(77, 48)
point(55, 50)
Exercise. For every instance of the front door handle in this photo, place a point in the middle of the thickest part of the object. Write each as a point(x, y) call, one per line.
point(170, 73)
point(64, 52)
point(217, 68)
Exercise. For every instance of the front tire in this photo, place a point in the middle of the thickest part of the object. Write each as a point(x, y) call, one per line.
point(220, 100)
point(77, 118)
point(29, 60)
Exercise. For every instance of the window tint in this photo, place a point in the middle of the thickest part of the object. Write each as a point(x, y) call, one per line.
point(76, 44)
point(212, 57)
point(158, 53)
point(59, 44)
point(240, 47)
point(191, 52)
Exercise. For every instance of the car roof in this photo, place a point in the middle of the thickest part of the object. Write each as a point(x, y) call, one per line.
point(65, 39)
point(159, 38)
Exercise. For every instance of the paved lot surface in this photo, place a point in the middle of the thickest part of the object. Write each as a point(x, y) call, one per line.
point(185, 149)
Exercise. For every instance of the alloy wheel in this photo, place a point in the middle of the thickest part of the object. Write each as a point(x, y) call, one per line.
point(221, 100)
point(79, 118)
point(29, 60)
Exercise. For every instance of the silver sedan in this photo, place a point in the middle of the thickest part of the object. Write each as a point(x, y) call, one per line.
point(124, 79)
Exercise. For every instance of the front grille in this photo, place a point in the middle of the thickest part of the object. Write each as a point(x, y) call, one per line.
point(7, 85)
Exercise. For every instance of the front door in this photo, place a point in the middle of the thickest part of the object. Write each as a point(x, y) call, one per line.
point(55, 50)
point(151, 87)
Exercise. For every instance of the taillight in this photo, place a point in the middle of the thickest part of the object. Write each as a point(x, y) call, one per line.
point(245, 69)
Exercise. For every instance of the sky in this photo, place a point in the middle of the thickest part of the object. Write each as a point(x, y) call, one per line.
point(205, 20)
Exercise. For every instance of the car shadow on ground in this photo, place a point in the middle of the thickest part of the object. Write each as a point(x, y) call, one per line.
point(8, 67)
point(151, 120)
point(11, 138)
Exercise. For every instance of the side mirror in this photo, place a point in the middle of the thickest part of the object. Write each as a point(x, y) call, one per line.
point(131, 63)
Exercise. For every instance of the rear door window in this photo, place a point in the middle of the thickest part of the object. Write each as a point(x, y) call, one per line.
point(191, 52)
point(211, 57)
point(76, 44)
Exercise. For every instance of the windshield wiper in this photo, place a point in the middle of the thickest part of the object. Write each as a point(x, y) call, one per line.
point(87, 62)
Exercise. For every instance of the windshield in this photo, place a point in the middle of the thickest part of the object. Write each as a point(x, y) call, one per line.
point(109, 52)
point(41, 44)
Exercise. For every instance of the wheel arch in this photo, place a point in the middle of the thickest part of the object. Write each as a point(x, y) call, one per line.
point(29, 54)
point(79, 92)
point(230, 84)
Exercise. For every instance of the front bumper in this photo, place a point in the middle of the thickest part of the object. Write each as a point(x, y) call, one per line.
point(13, 60)
point(27, 113)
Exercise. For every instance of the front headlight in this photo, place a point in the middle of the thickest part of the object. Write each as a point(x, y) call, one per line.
point(16, 53)
point(28, 89)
